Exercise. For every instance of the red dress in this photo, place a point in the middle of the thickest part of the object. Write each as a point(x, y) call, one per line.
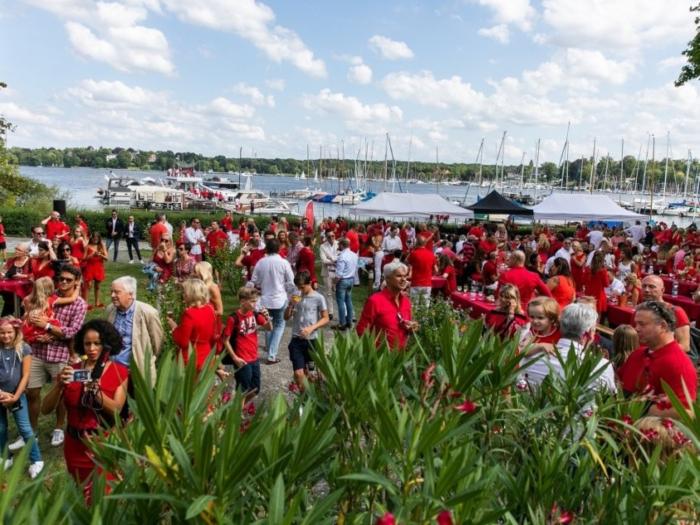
point(77, 250)
point(84, 420)
point(577, 272)
point(39, 271)
point(451, 279)
point(595, 287)
point(565, 292)
point(197, 328)
point(94, 269)
point(501, 325)
point(167, 272)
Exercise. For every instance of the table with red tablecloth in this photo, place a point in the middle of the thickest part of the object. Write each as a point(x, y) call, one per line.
point(20, 288)
point(691, 307)
point(438, 282)
point(618, 315)
point(685, 287)
point(477, 306)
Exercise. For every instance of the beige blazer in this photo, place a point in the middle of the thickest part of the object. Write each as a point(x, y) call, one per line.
point(146, 335)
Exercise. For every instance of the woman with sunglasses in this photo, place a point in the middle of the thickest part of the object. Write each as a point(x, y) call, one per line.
point(93, 403)
point(64, 256)
point(94, 271)
point(184, 262)
point(17, 267)
point(163, 259)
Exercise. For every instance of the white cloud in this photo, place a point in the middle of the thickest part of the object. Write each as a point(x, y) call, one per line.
point(254, 94)
point(675, 62)
point(253, 21)
point(97, 93)
point(425, 89)
point(356, 114)
point(593, 64)
point(19, 115)
point(227, 108)
point(359, 72)
point(390, 49)
point(517, 12)
point(276, 84)
point(498, 32)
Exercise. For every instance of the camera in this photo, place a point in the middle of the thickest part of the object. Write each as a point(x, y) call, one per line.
point(82, 376)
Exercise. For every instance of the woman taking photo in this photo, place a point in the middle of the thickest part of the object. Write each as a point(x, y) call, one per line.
point(163, 259)
point(197, 324)
point(17, 267)
point(508, 317)
point(94, 402)
point(560, 282)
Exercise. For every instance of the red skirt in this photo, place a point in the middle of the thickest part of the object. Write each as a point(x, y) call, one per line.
point(94, 270)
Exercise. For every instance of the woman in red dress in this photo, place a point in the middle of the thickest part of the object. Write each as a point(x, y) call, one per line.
point(197, 325)
point(163, 258)
point(284, 243)
point(78, 244)
point(578, 263)
point(92, 405)
point(448, 272)
point(560, 283)
point(41, 265)
point(94, 270)
point(598, 281)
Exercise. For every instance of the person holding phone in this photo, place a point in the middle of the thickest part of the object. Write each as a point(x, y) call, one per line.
point(93, 392)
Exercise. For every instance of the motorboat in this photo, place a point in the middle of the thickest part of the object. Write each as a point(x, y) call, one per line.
point(118, 192)
point(350, 197)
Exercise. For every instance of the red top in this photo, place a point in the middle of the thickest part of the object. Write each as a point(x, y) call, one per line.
point(196, 328)
point(246, 325)
point(527, 283)
point(250, 260)
point(451, 278)
point(476, 231)
point(2, 232)
point(428, 236)
point(56, 228)
point(595, 287)
point(489, 272)
point(577, 272)
point(156, 232)
point(77, 249)
point(83, 225)
point(216, 241)
point(552, 338)
point(39, 271)
point(226, 223)
point(382, 315)
point(422, 262)
point(565, 292)
point(351, 235)
point(645, 370)
point(487, 246)
point(307, 262)
point(681, 316)
point(500, 323)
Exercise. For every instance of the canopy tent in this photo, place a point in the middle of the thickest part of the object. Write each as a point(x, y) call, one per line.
point(409, 205)
point(582, 207)
point(495, 203)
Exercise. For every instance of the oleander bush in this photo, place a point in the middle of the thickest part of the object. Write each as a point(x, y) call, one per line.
point(440, 433)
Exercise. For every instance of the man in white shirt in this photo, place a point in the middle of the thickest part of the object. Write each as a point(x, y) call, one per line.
point(328, 252)
point(37, 237)
point(637, 232)
point(345, 270)
point(564, 252)
point(195, 235)
point(274, 278)
point(595, 237)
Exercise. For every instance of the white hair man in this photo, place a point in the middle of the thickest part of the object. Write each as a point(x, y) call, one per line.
point(138, 324)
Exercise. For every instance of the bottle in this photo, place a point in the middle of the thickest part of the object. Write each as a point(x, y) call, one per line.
point(674, 288)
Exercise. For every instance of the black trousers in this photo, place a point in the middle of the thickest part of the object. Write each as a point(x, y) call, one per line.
point(131, 242)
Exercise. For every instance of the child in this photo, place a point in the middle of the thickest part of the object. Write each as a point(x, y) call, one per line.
point(447, 270)
point(241, 340)
point(625, 341)
point(310, 313)
point(42, 300)
point(15, 362)
point(544, 326)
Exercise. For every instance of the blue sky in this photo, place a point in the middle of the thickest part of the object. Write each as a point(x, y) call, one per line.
point(212, 75)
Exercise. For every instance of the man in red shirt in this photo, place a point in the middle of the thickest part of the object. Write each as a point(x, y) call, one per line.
point(421, 264)
point(216, 238)
point(352, 236)
point(227, 222)
point(250, 254)
point(55, 227)
point(157, 231)
point(526, 281)
point(661, 360)
point(653, 290)
point(387, 314)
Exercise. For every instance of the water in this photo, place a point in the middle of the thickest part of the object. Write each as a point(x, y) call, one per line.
point(81, 184)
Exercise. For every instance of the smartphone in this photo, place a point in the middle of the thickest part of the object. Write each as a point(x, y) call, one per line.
point(81, 376)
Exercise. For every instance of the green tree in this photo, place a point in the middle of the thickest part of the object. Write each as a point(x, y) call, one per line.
point(691, 70)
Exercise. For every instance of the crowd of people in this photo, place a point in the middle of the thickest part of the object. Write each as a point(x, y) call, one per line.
point(550, 291)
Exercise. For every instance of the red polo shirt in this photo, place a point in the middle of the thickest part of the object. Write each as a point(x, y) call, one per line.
point(645, 370)
point(250, 260)
point(56, 228)
point(216, 240)
point(381, 315)
point(354, 240)
point(422, 262)
point(307, 262)
point(527, 283)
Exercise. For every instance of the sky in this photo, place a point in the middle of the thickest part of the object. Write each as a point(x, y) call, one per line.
point(211, 76)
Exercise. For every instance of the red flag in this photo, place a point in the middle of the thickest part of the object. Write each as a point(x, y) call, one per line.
point(309, 213)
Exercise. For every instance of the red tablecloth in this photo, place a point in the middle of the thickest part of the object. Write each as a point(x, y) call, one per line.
point(20, 287)
point(477, 306)
point(439, 282)
point(684, 287)
point(690, 307)
point(618, 315)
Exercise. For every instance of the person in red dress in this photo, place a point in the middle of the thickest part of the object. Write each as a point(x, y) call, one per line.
point(508, 318)
point(284, 243)
point(78, 244)
point(197, 324)
point(164, 259)
point(227, 222)
point(525, 281)
point(94, 271)
point(80, 223)
point(560, 283)
point(157, 231)
point(598, 280)
point(578, 265)
point(41, 265)
point(446, 269)
point(307, 260)
point(94, 404)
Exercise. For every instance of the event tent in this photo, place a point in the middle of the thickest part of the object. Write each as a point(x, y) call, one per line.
point(409, 205)
point(582, 207)
point(495, 203)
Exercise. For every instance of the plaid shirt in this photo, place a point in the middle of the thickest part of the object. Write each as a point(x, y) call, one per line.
point(70, 317)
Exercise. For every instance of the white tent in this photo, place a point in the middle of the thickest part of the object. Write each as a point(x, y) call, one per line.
point(582, 207)
point(409, 205)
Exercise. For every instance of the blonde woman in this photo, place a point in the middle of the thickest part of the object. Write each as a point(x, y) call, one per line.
point(204, 271)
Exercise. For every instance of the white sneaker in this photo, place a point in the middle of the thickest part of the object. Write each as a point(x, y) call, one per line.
point(57, 438)
point(16, 445)
point(131, 261)
point(8, 463)
point(35, 469)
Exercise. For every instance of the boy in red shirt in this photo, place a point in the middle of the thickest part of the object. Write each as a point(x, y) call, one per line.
point(241, 340)
point(421, 263)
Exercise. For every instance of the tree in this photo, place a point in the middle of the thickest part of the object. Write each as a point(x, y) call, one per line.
point(691, 70)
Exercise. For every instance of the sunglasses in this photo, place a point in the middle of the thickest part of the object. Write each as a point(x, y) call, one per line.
point(65, 280)
point(38, 233)
point(66, 250)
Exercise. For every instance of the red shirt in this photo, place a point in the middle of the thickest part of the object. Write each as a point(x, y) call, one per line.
point(451, 278)
point(422, 262)
point(246, 326)
point(646, 369)
point(307, 262)
point(382, 316)
point(487, 246)
point(428, 236)
point(216, 241)
point(552, 338)
point(56, 228)
point(527, 283)
point(157, 231)
point(500, 324)
point(226, 223)
point(83, 225)
point(476, 231)
point(250, 260)
point(196, 329)
point(354, 239)
point(39, 271)
point(2, 233)
point(489, 272)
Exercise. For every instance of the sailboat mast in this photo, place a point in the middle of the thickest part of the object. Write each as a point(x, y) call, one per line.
point(240, 164)
point(593, 166)
point(668, 153)
point(622, 164)
point(537, 165)
point(687, 176)
point(437, 170)
point(522, 174)
point(646, 161)
point(564, 150)
point(480, 160)
point(386, 158)
point(605, 175)
point(408, 162)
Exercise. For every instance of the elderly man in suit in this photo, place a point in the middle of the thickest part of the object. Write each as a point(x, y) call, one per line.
point(139, 325)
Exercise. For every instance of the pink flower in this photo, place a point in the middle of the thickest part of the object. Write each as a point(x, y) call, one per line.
point(667, 423)
point(245, 425)
point(664, 404)
point(468, 407)
point(249, 409)
point(650, 434)
point(445, 518)
point(387, 519)
point(226, 397)
point(294, 388)
point(680, 439)
point(566, 517)
point(561, 516)
point(427, 375)
point(627, 419)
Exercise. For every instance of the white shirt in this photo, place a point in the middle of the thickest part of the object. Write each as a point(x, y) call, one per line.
point(346, 265)
point(617, 287)
point(637, 232)
point(595, 237)
point(561, 252)
point(34, 247)
point(549, 364)
point(273, 276)
point(329, 254)
point(389, 244)
point(194, 236)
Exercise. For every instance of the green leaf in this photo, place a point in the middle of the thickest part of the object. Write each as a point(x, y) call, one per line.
point(198, 505)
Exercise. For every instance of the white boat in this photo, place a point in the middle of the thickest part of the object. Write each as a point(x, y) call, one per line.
point(352, 197)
